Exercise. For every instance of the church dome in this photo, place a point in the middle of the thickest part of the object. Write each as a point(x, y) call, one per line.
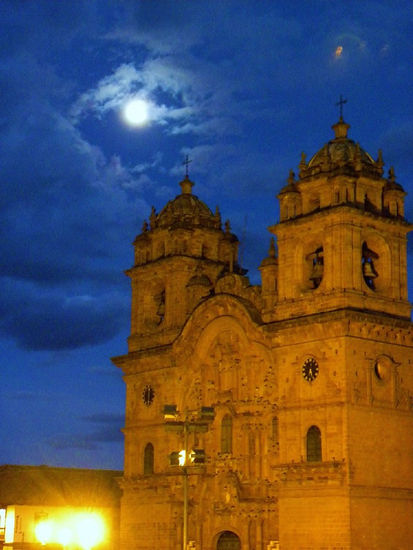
point(186, 210)
point(341, 154)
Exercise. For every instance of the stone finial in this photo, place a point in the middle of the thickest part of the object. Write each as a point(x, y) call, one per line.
point(152, 218)
point(392, 175)
point(271, 251)
point(303, 164)
point(218, 216)
point(380, 162)
point(186, 186)
point(145, 226)
point(291, 178)
point(227, 226)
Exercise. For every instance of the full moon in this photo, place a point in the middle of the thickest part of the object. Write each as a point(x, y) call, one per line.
point(136, 112)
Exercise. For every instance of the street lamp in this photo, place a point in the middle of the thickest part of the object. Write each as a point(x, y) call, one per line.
point(43, 531)
point(90, 530)
point(194, 421)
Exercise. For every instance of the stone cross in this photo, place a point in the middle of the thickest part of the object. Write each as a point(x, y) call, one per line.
point(341, 103)
point(186, 163)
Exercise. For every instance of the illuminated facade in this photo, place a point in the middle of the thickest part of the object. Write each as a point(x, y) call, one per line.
point(310, 374)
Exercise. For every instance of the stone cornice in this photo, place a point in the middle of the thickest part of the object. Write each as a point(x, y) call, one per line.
point(349, 318)
point(347, 210)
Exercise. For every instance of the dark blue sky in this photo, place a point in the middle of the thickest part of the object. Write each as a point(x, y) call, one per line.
point(243, 87)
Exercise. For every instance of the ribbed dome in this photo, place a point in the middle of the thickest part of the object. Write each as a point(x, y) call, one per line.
point(186, 210)
point(341, 153)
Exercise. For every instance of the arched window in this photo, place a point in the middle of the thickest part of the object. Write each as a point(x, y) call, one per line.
point(226, 434)
point(314, 444)
point(148, 459)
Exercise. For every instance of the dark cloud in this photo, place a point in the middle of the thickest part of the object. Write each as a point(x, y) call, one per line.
point(108, 431)
point(26, 395)
point(105, 418)
point(53, 321)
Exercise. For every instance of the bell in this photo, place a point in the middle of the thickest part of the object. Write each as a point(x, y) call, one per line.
point(161, 309)
point(317, 272)
point(368, 270)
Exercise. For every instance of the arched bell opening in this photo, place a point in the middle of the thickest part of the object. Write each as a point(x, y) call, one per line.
point(368, 265)
point(316, 260)
point(154, 304)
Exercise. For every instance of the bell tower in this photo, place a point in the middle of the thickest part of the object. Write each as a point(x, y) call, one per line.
point(342, 234)
point(178, 255)
point(341, 317)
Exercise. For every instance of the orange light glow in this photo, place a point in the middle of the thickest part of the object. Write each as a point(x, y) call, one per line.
point(339, 51)
point(89, 529)
point(64, 535)
point(85, 529)
point(44, 531)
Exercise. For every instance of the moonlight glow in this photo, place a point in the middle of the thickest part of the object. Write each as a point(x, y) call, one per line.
point(136, 112)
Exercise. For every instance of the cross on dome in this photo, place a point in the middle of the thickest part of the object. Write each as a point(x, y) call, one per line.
point(340, 104)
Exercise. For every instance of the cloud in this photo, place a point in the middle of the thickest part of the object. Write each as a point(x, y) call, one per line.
point(26, 395)
point(63, 442)
point(162, 83)
point(108, 432)
point(49, 321)
point(105, 418)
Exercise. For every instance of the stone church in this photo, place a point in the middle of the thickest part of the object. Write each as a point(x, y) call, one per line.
point(277, 415)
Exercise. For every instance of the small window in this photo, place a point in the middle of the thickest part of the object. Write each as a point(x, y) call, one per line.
point(148, 459)
point(226, 434)
point(314, 444)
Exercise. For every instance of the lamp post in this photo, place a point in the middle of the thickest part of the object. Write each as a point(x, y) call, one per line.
point(194, 421)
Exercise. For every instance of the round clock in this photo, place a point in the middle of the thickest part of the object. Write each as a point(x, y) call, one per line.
point(310, 369)
point(148, 395)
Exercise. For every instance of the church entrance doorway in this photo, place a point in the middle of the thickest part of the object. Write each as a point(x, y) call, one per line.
point(228, 541)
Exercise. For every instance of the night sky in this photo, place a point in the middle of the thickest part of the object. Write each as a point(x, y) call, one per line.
point(242, 87)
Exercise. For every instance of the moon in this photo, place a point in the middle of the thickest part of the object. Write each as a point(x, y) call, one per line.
point(136, 113)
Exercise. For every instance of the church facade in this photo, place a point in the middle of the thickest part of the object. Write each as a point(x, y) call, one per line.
point(293, 399)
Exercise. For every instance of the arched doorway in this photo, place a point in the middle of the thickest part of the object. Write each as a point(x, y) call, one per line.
point(228, 540)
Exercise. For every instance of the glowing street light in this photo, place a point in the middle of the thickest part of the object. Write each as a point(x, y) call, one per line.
point(64, 536)
point(90, 530)
point(43, 531)
point(86, 530)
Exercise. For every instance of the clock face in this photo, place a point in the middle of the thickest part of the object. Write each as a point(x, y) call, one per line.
point(310, 369)
point(148, 395)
